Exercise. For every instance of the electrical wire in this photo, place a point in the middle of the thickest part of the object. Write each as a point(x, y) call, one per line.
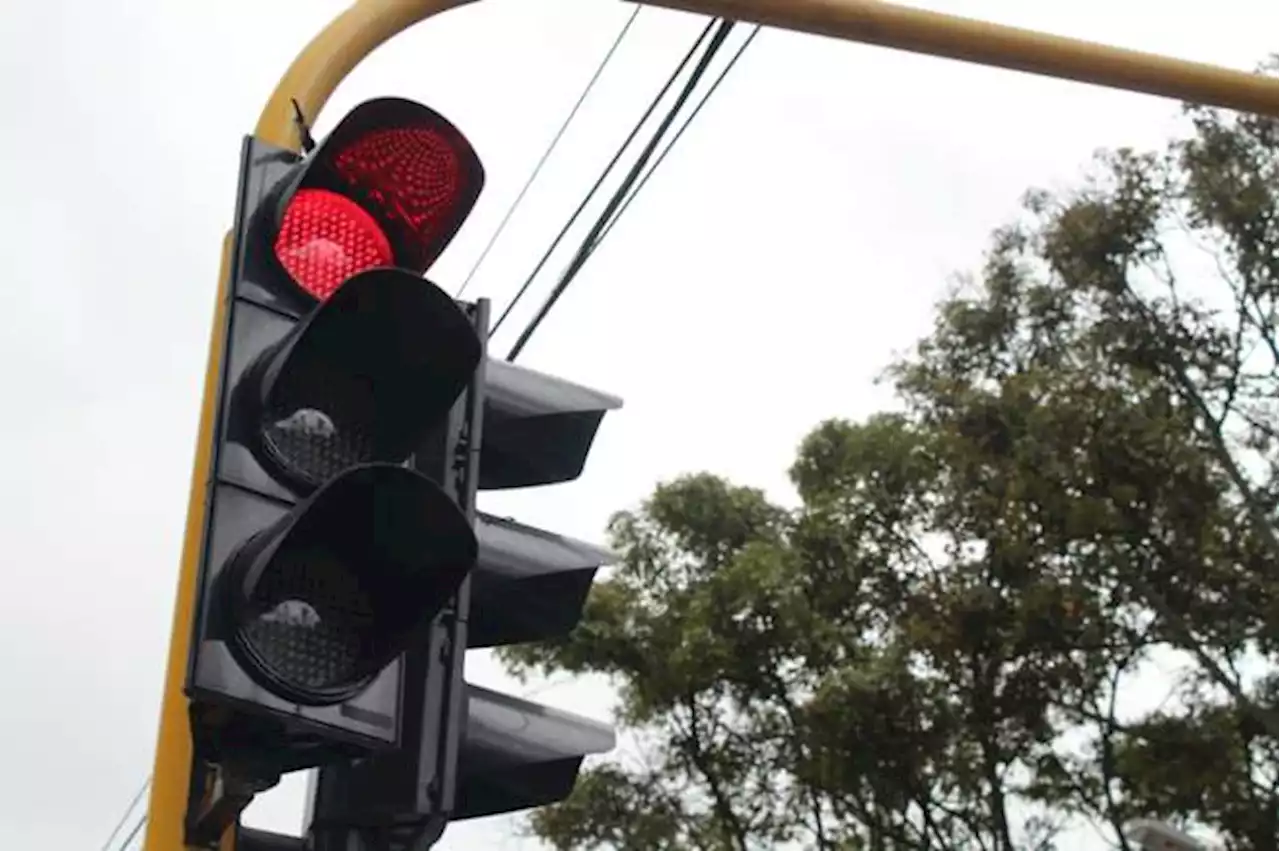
point(537, 169)
point(133, 833)
point(603, 176)
point(733, 60)
point(584, 250)
point(124, 818)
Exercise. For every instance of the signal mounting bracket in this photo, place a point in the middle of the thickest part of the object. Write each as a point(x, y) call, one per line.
point(218, 794)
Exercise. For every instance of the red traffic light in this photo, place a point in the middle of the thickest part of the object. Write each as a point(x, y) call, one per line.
point(325, 238)
point(325, 558)
point(390, 186)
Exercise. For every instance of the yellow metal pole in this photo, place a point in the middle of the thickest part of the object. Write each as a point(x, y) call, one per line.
point(969, 40)
point(170, 776)
point(332, 55)
point(356, 33)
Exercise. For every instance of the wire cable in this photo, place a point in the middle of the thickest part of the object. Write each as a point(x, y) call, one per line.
point(603, 176)
point(733, 60)
point(584, 250)
point(124, 818)
point(137, 827)
point(537, 169)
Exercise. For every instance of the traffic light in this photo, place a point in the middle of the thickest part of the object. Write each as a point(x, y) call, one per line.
point(529, 585)
point(328, 550)
point(478, 752)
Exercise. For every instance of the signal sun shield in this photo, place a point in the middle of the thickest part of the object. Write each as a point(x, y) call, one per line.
point(362, 379)
point(321, 601)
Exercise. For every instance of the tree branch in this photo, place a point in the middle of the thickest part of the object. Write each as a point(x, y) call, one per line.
point(735, 831)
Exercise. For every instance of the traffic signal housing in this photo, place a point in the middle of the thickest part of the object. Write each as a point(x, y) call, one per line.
point(529, 585)
point(478, 752)
point(326, 553)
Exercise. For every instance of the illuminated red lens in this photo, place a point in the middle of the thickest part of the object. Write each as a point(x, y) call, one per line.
point(413, 178)
point(325, 238)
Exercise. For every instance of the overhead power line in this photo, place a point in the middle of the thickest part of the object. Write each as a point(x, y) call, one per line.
point(715, 84)
point(142, 819)
point(591, 193)
point(584, 250)
point(537, 169)
point(124, 818)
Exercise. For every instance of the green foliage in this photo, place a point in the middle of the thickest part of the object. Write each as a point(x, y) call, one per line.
point(936, 649)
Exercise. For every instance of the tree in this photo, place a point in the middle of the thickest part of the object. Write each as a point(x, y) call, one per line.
point(934, 651)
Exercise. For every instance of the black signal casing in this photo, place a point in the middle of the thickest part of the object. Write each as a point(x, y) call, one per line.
point(239, 714)
point(233, 712)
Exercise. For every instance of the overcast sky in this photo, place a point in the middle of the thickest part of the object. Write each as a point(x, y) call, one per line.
point(793, 242)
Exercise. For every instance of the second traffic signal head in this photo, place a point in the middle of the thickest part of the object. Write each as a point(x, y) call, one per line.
point(477, 752)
